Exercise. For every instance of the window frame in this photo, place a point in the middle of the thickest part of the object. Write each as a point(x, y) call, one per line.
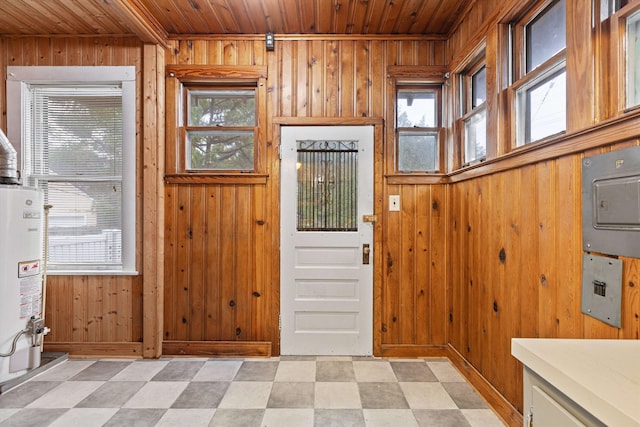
point(631, 13)
point(186, 109)
point(467, 110)
point(19, 78)
point(181, 77)
point(612, 62)
point(522, 80)
point(438, 130)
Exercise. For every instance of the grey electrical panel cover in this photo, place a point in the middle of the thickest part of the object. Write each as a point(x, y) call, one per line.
point(611, 203)
point(602, 288)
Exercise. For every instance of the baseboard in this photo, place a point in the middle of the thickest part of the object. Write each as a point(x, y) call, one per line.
point(507, 412)
point(217, 348)
point(96, 349)
point(412, 350)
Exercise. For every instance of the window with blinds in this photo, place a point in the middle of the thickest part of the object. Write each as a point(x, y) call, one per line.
point(73, 151)
point(74, 130)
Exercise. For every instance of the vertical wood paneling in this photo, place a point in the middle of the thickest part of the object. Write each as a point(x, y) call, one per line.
point(534, 214)
point(332, 78)
point(347, 77)
point(213, 299)
point(437, 306)
point(407, 265)
point(307, 78)
point(422, 266)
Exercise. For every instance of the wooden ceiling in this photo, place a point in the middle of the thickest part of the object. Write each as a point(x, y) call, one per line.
point(156, 20)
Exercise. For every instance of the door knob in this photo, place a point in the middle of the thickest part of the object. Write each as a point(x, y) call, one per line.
point(366, 250)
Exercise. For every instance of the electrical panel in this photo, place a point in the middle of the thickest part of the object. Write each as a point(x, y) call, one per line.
point(602, 288)
point(611, 203)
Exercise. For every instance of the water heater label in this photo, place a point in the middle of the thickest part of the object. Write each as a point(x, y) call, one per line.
point(28, 268)
point(30, 297)
point(31, 214)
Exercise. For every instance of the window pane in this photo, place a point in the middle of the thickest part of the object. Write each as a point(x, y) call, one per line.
point(228, 150)
point(85, 224)
point(546, 34)
point(609, 7)
point(479, 87)
point(475, 136)
point(417, 151)
point(76, 131)
point(327, 185)
point(633, 59)
point(416, 108)
point(545, 105)
point(222, 108)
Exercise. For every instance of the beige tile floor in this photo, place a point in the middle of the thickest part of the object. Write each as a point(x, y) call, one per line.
point(278, 392)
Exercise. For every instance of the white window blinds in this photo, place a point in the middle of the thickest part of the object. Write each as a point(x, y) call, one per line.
point(74, 153)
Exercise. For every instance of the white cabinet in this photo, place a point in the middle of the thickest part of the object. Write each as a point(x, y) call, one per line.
point(588, 383)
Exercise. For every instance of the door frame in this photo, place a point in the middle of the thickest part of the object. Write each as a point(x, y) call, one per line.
point(378, 142)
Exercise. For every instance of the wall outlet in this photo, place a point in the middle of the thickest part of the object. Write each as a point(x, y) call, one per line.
point(394, 203)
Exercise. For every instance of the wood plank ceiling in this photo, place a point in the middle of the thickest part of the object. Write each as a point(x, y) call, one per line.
point(156, 20)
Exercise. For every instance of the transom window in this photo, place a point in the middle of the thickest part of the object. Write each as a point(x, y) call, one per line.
point(418, 128)
point(220, 128)
point(540, 73)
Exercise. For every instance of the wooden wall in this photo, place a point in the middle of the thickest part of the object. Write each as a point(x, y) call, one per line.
point(222, 280)
point(87, 310)
point(515, 235)
point(489, 253)
point(516, 243)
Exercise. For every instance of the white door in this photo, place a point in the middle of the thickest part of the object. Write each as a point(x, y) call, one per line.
point(326, 285)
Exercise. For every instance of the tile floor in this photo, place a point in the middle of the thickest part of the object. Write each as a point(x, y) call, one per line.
point(279, 392)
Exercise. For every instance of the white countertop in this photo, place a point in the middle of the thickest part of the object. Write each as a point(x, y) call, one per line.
point(602, 376)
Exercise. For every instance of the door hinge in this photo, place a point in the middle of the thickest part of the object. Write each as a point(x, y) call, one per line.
point(279, 322)
point(280, 151)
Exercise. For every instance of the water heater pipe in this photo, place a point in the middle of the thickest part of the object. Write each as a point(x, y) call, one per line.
point(8, 161)
point(47, 207)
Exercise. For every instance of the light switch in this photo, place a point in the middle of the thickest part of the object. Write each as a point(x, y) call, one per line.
point(394, 203)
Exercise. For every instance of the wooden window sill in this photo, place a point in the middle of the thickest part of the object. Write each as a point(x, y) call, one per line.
point(216, 178)
point(416, 178)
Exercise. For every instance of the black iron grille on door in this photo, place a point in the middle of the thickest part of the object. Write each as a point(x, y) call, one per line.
point(327, 185)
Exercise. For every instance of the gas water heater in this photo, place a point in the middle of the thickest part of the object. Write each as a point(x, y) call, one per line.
point(21, 243)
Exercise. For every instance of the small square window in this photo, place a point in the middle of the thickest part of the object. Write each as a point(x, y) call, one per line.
point(222, 108)
point(418, 151)
point(220, 150)
point(416, 108)
point(221, 129)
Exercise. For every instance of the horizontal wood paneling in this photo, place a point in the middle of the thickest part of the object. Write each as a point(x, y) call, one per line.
point(86, 309)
